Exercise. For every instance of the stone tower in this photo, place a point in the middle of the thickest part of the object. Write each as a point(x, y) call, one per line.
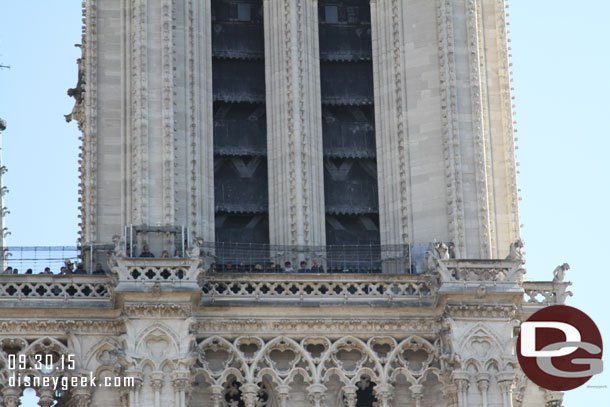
point(3, 210)
point(370, 140)
point(305, 120)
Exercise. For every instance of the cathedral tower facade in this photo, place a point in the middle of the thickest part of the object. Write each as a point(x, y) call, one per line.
point(298, 203)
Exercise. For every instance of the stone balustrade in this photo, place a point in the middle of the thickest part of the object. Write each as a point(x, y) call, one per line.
point(29, 290)
point(484, 271)
point(318, 288)
point(538, 294)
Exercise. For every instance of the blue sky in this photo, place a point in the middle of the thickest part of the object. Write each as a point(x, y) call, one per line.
point(560, 57)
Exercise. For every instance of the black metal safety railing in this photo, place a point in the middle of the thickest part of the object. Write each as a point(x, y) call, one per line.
point(35, 259)
point(232, 257)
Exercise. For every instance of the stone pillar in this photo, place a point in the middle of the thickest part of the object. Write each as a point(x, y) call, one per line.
point(134, 392)
point(216, 395)
point(506, 382)
point(294, 124)
point(156, 382)
point(46, 396)
point(10, 396)
point(316, 394)
point(462, 382)
point(283, 391)
point(483, 386)
point(383, 392)
point(417, 393)
point(249, 394)
point(180, 381)
point(349, 392)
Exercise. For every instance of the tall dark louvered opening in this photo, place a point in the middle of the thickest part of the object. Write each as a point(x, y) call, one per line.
point(240, 128)
point(348, 123)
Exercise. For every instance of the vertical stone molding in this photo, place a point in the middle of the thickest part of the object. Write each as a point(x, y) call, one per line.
point(139, 128)
point(294, 126)
point(199, 124)
point(450, 128)
point(88, 164)
point(392, 137)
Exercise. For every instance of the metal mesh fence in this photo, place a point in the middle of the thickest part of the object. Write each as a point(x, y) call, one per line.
point(37, 258)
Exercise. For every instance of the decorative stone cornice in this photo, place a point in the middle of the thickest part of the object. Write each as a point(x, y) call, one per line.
point(402, 327)
point(157, 310)
point(110, 326)
point(503, 311)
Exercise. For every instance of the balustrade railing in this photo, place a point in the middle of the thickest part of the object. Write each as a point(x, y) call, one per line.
point(319, 287)
point(47, 287)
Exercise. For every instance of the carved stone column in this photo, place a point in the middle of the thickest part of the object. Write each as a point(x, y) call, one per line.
point(316, 394)
point(450, 394)
point(181, 383)
point(417, 392)
point(80, 397)
point(349, 392)
point(483, 385)
point(249, 393)
point(11, 396)
point(294, 124)
point(506, 382)
point(216, 395)
point(156, 382)
point(462, 381)
point(384, 394)
point(134, 392)
point(46, 396)
point(282, 394)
